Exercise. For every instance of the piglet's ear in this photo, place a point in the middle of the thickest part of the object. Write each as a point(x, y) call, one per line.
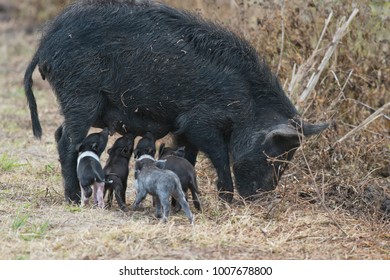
point(109, 151)
point(181, 151)
point(95, 147)
point(161, 163)
point(136, 153)
point(151, 151)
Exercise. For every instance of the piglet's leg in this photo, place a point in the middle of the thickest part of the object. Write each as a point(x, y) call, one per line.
point(157, 203)
point(141, 194)
point(184, 205)
point(120, 194)
point(84, 199)
point(98, 194)
point(165, 207)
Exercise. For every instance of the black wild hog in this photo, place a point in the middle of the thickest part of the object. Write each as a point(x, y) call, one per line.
point(158, 64)
point(151, 178)
point(176, 162)
point(89, 170)
point(116, 170)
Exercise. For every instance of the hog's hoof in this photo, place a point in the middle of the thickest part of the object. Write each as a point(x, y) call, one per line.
point(226, 196)
point(124, 209)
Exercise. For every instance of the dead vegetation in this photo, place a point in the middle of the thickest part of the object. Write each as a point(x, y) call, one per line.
point(332, 203)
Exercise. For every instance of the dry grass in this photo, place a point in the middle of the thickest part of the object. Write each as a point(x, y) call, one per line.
point(332, 203)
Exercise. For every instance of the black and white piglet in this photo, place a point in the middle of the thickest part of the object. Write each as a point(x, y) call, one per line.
point(89, 170)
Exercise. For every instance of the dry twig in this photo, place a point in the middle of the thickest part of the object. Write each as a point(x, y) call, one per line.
point(282, 39)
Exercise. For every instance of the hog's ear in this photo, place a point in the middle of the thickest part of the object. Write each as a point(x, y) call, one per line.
point(282, 131)
point(161, 150)
point(161, 163)
point(312, 129)
point(307, 129)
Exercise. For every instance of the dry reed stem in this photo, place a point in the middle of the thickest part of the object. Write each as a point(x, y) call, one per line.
point(367, 121)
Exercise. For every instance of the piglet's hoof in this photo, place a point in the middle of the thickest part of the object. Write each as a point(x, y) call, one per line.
point(124, 209)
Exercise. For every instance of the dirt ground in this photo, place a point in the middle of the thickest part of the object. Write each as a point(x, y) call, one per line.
point(332, 203)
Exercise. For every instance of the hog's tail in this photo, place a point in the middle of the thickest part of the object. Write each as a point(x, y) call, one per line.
point(195, 194)
point(28, 82)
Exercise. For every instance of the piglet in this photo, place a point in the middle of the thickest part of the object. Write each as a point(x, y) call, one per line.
point(116, 170)
point(176, 162)
point(89, 170)
point(151, 178)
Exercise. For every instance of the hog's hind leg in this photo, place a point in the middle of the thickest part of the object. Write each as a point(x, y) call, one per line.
point(74, 129)
point(195, 194)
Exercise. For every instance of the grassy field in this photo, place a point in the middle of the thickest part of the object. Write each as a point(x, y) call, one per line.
point(332, 203)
